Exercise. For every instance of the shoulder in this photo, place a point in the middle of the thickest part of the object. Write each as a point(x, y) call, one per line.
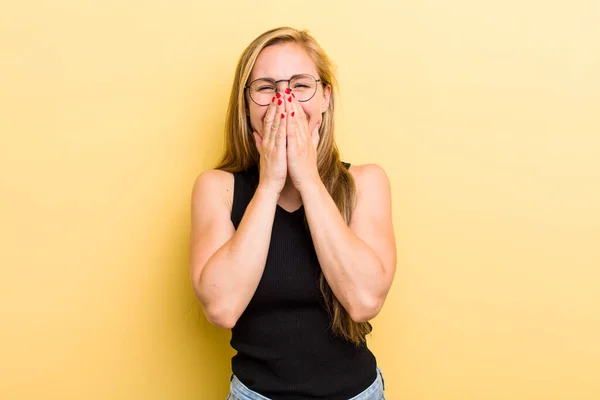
point(369, 177)
point(213, 179)
point(213, 185)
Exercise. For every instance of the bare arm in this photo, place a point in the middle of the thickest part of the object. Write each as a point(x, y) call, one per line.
point(226, 265)
point(358, 261)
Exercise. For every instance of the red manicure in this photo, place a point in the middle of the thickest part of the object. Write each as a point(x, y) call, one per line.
point(288, 90)
point(279, 101)
point(293, 112)
point(290, 99)
point(273, 99)
point(282, 116)
point(278, 95)
point(293, 95)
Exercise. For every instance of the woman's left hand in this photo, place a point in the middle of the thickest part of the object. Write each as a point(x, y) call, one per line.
point(301, 145)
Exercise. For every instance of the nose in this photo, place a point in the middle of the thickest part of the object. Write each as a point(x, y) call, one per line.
point(282, 85)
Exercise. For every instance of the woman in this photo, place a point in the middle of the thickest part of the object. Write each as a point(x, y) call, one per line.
point(291, 248)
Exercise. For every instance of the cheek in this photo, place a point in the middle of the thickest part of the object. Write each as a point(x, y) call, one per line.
point(257, 114)
point(312, 111)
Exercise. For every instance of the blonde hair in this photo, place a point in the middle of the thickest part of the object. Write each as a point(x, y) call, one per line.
point(241, 152)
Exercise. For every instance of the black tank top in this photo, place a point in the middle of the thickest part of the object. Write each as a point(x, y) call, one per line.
point(285, 348)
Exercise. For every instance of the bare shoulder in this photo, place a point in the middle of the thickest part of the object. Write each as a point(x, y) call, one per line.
point(370, 178)
point(373, 196)
point(212, 186)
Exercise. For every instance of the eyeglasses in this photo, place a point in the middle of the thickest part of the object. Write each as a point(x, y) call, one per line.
point(262, 90)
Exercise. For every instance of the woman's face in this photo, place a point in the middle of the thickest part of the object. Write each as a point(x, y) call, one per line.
point(282, 61)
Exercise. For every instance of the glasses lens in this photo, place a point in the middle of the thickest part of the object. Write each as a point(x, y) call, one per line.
point(304, 87)
point(262, 91)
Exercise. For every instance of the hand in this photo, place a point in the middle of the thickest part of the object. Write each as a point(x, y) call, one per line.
point(271, 147)
point(301, 145)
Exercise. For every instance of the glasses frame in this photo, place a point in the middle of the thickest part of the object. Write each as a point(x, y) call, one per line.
point(277, 87)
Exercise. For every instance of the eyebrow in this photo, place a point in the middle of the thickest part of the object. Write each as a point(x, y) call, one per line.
point(275, 80)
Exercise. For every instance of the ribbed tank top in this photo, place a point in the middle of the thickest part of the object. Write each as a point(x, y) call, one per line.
point(285, 348)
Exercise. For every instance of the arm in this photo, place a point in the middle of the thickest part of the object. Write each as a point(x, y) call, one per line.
point(359, 260)
point(226, 265)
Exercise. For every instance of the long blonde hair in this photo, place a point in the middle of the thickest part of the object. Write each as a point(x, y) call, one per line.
point(241, 152)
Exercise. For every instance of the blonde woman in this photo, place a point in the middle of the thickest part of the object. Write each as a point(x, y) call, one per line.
point(292, 248)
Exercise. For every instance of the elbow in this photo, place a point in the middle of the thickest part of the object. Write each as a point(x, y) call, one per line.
point(221, 320)
point(220, 317)
point(366, 310)
point(217, 314)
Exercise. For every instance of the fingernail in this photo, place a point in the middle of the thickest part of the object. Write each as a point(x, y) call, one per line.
point(293, 112)
point(278, 95)
point(273, 99)
point(279, 101)
point(290, 99)
point(287, 90)
point(294, 95)
point(282, 116)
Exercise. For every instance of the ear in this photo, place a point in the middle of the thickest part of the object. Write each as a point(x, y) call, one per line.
point(326, 97)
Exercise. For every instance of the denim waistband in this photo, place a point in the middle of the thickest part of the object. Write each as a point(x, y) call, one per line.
point(240, 392)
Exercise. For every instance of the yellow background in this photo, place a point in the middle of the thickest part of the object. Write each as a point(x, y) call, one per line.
point(484, 114)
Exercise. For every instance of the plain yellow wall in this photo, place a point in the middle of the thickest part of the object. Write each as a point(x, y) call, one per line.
point(485, 115)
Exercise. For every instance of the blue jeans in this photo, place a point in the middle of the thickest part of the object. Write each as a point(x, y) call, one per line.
point(240, 392)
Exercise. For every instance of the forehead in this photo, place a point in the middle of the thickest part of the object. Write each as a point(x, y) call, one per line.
point(281, 61)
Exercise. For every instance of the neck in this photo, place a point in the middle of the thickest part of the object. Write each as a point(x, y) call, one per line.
point(289, 191)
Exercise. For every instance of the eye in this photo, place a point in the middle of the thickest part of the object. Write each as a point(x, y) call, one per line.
point(265, 88)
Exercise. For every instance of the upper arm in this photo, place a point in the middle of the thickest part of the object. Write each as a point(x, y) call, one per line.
point(372, 216)
point(211, 226)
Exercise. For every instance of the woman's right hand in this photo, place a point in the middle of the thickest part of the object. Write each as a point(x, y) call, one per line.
point(272, 147)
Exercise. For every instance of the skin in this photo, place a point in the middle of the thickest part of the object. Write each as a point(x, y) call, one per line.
point(298, 131)
point(358, 260)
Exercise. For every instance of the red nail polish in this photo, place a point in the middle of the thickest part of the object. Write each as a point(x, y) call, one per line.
point(278, 95)
point(293, 112)
point(293, 95)
point(273, 99)
point(288, 90)
point(282, 116)
point(290, 99)
point(279, 101)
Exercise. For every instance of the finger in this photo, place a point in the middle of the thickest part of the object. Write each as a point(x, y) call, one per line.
point(299, 109)
point(292, 121)
point(300, 120)
point(290, 105)
point(281, 136)
point(288, 96)
point(269, 119)
point(279, 109)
